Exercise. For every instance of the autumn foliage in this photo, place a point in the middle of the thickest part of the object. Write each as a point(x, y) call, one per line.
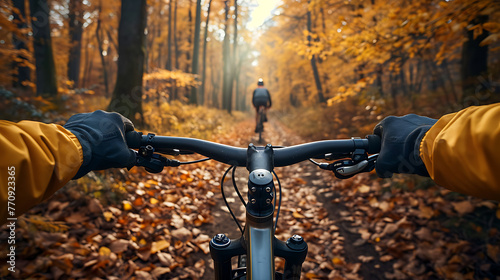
point(334, 70)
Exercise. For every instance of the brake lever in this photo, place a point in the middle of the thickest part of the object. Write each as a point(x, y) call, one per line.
point(344, 169)
point(151, 161)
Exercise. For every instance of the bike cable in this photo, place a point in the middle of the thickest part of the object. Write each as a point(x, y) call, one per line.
point(236, 187)
point(279, 203)
point(194, 161)
point(225, 200)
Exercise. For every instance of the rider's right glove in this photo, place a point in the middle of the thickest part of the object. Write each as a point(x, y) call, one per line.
point(102, 136)
point(400, 149)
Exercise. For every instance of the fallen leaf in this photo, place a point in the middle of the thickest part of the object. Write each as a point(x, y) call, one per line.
point(108, 216)
point(493, 252)
point(386, 258)
point(127, 205)
point(297, 215)
point(366, 259)
point(425, 234)
point(104, 251)
point(463, 207)
point(426, 212)
point(138, 201)
point(119, 246)
point(76, 218)
point(158, 271)
point(363, 189)
point(165, 259)
point(153, 201)
point(95, 206)
point(144, 253)
point(384, 206)
point(337, 261)
point(159, 245)
point(389, 229)
point(143, 275)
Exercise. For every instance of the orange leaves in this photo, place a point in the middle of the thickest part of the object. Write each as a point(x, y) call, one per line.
point(126, 205)
point(153, 201)
point(296, 214)
point(104, 251)
point(180, 78)
point(139, 201)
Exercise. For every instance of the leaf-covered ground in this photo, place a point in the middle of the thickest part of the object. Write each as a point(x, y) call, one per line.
point(133, 225)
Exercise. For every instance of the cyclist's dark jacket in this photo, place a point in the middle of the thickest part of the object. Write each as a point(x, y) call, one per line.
point(461, 152)
point(261, 97)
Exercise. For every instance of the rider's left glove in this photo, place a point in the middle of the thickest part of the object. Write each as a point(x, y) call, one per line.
point(102, 136)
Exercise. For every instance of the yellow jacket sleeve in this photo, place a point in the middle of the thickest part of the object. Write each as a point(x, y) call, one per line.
point(462, 151)
point(36, 159)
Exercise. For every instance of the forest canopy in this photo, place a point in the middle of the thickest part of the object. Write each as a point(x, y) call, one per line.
point(391, 57)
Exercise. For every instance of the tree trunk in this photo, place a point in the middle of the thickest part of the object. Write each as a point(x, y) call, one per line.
point(378, 80)
point(89, 63)
point(169, 39)
point(99, 36)
point(190, 34)
point(75, 34)
point(215, 84)
point(193, 98)
point(449, 78)
point(240, 98)
point(127, 96)
point(46, 82)
point(393, 81)
point(474, 64)
point(22, 70)
point(226, 60)
point(204, 67)
point(176, 41)
point(234, 72)
point(317, 80)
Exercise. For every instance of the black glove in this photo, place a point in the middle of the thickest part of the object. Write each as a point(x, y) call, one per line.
point(400, 150)
point(102, 136)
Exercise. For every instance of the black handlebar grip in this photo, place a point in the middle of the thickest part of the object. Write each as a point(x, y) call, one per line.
point(374, 143)
point(133, 139)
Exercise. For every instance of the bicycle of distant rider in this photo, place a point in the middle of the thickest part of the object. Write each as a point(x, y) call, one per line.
point(257, 246)
point(261, 118)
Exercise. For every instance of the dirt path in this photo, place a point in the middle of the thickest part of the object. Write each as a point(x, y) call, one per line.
point(336, 249)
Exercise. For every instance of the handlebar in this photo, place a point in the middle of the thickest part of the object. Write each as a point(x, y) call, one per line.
point(238, 156)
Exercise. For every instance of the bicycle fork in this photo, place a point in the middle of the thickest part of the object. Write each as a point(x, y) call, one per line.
point(258, 241)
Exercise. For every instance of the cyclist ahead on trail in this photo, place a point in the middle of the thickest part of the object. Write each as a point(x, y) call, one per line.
point(460, 151)
point(261, 98)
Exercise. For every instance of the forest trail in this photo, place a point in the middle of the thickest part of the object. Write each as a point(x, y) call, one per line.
point(369, 228)
point(119, 224)
point(335, 247)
